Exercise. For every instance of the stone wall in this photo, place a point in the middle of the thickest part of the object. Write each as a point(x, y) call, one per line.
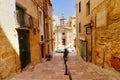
point(8, 61)
point(107, 36)
point(105, 15)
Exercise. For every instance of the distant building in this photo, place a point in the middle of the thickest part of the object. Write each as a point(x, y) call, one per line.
point(97, 23)
point(72, 25)
point(64, 32)
point(55, 22)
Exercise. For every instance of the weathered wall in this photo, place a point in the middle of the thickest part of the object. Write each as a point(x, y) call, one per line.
point(41, 24)
point(8, 63)
point(108, 35)
point(105, 15)
point(84, 19)
point(48, 26)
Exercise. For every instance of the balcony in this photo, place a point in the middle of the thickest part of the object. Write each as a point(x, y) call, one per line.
point(24, 20)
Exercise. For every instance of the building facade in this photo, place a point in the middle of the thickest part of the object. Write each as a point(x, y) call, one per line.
point(64, 33)
point(22, 30)
point(97, 22)
point(48, 43)
point(72, 25)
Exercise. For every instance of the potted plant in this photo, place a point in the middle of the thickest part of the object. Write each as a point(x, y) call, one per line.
point(48, 57)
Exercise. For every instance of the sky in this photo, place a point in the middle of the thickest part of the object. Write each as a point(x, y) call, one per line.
point(66, 7)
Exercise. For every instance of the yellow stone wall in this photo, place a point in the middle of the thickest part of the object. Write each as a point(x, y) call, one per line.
point(48, 27)
point(105, 19)
point(84, 19)
point(107, 34)
point(9, 62)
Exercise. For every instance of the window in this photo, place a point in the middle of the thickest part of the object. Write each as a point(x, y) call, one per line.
point(79, 27)
point(34, 31)
point(88, 8)
point(41, 37)
point(88, 30)
point(79, 6)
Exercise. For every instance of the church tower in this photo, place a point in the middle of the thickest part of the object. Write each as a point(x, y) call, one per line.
point(62, 20)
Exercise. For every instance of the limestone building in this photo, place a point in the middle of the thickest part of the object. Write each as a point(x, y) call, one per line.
point(97, 24)
point(64, 33)
point(22, 31)
point(72, 25)
point(47, 43)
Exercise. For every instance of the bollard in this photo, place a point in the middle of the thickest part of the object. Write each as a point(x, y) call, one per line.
point(65, 60)
point(67, 72)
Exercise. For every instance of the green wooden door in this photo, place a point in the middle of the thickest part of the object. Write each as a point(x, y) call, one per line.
point(83, 50)
point(24, 47)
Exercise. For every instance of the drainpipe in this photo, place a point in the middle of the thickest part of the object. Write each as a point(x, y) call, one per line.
point(91, 25)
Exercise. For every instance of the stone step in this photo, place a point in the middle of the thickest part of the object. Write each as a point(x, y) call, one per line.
point(55, 70)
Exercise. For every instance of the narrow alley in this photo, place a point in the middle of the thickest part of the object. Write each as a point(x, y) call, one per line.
point(55, 70)
point(35, 31)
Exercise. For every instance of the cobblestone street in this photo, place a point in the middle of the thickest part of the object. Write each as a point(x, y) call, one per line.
point(55, 69)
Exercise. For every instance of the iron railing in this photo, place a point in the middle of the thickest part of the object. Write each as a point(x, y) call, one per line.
point(24, 20)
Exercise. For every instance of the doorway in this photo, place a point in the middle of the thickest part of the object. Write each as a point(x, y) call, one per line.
point(23, 36)
point(83, 50)
point(42, 50)
point(63, 41)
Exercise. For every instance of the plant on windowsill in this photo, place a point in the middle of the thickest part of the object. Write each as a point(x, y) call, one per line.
point(48, 57)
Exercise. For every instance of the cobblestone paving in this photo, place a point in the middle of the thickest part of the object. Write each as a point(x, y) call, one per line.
point(55, 69)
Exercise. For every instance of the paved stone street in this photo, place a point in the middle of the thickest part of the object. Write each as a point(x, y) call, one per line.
point(55, 69)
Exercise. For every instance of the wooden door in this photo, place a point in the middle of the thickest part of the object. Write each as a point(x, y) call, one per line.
point(23, 36)
point(63, 41)
point(42, 50)
point(83, 50)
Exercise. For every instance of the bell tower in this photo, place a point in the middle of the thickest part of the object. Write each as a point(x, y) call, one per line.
point(62, 20)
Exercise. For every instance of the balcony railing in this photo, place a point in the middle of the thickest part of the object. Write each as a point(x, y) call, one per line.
point(24, 20)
